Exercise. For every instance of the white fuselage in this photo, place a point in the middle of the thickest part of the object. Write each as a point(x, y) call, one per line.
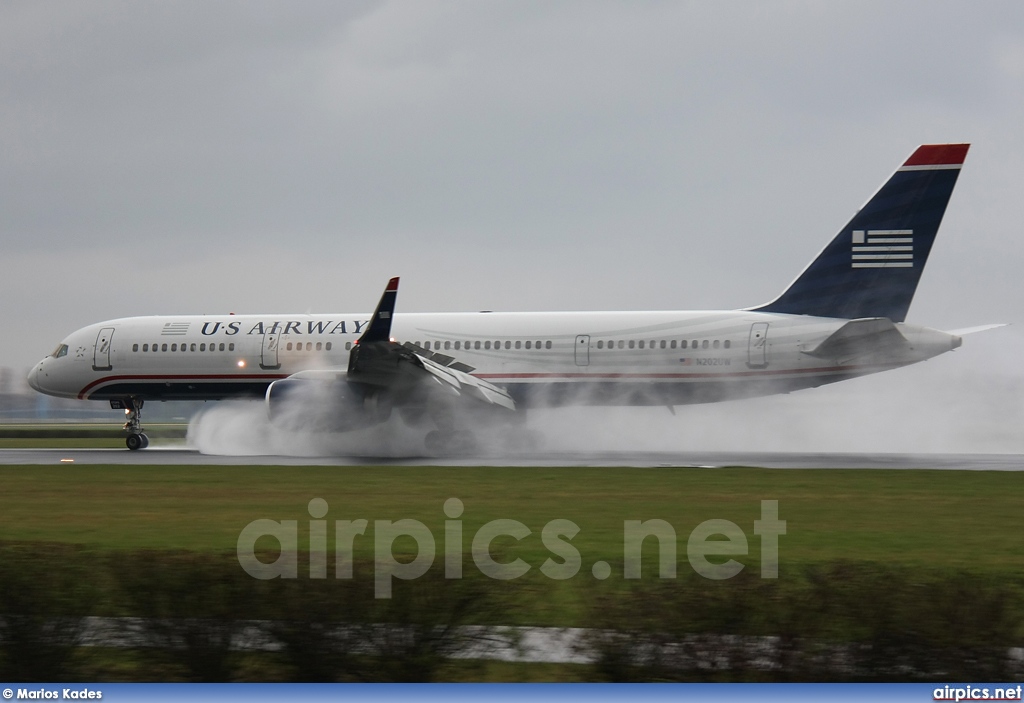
point(545, 358)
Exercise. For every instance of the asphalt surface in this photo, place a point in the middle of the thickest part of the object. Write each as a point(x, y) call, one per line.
point(163, 456)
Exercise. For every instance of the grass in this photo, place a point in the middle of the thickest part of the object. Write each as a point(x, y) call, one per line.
point(936, 518)
point(961, 521)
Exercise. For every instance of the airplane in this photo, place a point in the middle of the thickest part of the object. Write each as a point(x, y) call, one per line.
point(452, 373)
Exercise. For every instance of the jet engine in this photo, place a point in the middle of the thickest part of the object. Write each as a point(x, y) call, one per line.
point(325, 403)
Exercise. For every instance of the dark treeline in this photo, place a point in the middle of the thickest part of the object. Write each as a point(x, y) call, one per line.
point(842, 621)
point(183, 616)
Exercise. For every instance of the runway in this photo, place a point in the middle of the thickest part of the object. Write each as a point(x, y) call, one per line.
point(168, 456)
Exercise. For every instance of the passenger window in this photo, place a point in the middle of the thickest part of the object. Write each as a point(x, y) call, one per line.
point(518, 344)
point(135, 347)
point(174, 347)
point(682, 344)
point(663, 344)
point(476, 345)
point(547, 344)
point(600, 344)
point(348, 346)
point(231, 347)
point(458, 345)
point(728, 344)
point(163, 347)
point(145, 347)
point(673, 344)
point(193, 347)
point(715, 344)
point(288, 347)
point(222, 346)
point(621, 344)
point(319, 346)
point(641, 344)
point(704, 344)
point(487, 344)
point(694, 344)
point(528, 343)
point(309, 346)
point(202, 347)
point(632, 344)
point(447, 345)
point(328, 346)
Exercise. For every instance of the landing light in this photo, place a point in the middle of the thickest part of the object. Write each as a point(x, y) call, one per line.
point(241, 363)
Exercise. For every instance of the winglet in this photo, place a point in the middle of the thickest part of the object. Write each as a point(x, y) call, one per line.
point(379, 329)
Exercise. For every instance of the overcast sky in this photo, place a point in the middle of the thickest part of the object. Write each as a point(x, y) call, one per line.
point(198, 157)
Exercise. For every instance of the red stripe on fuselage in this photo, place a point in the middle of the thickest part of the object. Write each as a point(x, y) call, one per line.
point(183, 377)
point(508, 376)
point(631, 376)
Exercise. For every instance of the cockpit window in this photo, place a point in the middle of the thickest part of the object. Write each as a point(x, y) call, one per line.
point(61, 350)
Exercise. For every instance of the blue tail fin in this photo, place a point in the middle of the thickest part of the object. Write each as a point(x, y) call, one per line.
point(872, 267)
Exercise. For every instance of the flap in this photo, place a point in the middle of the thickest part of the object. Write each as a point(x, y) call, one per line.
point(468, 384)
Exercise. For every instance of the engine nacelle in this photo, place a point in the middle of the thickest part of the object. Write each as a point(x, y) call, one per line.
point(329, 404)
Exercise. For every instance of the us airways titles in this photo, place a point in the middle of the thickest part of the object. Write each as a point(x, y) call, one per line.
point(283, 327)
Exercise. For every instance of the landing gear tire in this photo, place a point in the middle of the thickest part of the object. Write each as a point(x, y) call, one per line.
point(136, 441)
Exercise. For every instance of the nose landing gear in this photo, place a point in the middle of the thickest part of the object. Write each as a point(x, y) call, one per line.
point(136, 439)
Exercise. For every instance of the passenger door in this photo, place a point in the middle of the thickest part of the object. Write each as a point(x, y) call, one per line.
point(583, 350)
point(268, 355)
point(101, 352)
point(757, 347)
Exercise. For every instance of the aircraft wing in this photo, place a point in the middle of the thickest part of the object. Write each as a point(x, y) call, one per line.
point(467, 384)
point(379, 361)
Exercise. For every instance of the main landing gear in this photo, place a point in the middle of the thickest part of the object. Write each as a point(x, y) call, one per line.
point(136, 439)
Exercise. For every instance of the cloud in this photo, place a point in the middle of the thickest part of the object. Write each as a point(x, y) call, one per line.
point(189, 157)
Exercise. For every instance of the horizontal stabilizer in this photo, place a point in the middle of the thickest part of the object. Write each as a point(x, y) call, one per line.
point(858, 337)
point(978, 328)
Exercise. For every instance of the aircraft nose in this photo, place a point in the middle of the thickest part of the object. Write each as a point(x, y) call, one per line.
point(33, 377)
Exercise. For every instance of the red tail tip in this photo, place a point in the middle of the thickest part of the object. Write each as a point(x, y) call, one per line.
point(392, 285)
point(938, 154)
